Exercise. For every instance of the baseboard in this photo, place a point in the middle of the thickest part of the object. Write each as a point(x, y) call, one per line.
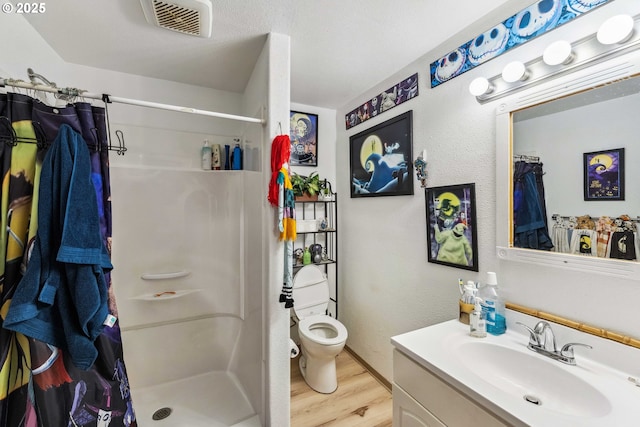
point(382, 380)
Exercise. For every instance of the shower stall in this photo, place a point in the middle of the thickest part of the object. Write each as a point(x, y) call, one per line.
point(212, 348)
point(187, 279)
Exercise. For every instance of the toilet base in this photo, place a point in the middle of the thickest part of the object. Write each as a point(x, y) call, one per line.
point(319, 373)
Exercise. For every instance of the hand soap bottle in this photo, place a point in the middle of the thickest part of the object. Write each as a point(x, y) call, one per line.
point(477, 324)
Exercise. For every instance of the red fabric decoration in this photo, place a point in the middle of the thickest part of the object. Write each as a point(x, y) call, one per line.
point(280, 152)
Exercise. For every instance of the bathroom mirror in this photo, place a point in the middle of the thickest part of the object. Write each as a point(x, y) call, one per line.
point(582, 135)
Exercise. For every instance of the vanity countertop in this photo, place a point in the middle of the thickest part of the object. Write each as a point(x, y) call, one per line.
point(499, 372)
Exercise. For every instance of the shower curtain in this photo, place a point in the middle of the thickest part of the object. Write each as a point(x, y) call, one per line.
point(529, 207)
point(39, 386)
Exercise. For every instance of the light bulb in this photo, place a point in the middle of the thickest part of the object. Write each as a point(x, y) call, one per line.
point(480, 86)
point(557, 53)
point(514, 71)
point(616, 29)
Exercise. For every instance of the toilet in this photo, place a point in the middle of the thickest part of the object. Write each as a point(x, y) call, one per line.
point(322, 337)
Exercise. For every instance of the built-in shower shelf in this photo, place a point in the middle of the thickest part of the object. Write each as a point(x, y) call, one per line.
point(165, 276)
point(164, 295)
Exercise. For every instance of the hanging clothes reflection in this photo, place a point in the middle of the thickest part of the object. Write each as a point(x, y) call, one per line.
point(529, 208)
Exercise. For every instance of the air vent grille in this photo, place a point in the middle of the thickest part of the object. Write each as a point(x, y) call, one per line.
point(177, 18)
point(192, 17)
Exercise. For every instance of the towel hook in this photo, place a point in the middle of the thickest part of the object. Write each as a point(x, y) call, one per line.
point(33, 75)
point(121, 146)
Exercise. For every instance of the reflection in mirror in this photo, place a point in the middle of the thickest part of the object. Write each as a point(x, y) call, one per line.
point(573, 159)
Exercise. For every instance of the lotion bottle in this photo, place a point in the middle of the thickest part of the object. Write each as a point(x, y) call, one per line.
point(477, 324)
point(205, 156)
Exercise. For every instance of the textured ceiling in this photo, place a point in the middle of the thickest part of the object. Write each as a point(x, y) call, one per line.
point(339, 48)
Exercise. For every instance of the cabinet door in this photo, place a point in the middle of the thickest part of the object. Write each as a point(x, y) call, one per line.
point(409, 413)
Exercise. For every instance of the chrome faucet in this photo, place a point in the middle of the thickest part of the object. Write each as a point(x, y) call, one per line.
point(543, 341)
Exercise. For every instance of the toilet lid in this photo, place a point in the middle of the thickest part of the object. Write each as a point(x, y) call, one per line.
point(310, 292)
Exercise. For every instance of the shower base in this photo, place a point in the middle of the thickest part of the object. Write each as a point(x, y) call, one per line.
point(213, 399)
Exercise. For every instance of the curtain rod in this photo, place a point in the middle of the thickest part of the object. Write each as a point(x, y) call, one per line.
point(108, 98)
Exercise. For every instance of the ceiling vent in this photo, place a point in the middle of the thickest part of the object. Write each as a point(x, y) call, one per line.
point(191, 17)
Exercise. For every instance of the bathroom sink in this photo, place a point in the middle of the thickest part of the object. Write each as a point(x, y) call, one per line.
point(524, 388)
point(544, 383)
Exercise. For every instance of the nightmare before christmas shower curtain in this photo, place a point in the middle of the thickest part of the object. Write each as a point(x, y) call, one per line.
point(39, 384)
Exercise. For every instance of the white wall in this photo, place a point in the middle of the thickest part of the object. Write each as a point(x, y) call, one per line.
point(326, 143)
point(28, 49)
point(277, 57)
point(387, 286)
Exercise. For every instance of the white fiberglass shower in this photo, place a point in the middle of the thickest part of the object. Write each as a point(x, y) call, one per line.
point(189, 300)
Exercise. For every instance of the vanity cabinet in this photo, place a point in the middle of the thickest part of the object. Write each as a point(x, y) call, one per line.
point(408, 412)
point(421, 399)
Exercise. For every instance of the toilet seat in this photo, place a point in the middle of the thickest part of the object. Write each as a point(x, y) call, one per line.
point(306, 326)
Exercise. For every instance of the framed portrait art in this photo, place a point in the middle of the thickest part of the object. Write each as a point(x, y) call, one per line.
point(380, 159)
point(604, 175)
point(451, 226)
point(303, 132)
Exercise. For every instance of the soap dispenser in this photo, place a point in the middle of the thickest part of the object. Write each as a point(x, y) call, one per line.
point(477, 323)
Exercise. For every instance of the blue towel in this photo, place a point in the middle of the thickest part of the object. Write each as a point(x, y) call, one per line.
point(62, 299)
point(530, 228)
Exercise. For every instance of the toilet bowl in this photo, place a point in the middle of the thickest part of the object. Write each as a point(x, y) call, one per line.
point(322, 337)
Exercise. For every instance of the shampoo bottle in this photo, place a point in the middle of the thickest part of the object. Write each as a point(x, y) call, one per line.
point(227, 157)
point(493, 306)
point(215, 157)
point(205, 156)
point(477, 324)
point(236, 158)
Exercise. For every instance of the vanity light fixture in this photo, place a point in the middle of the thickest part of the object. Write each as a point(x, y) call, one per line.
point(616, 37)
point(558, 52)
point(514, 71)
point(480, 86)
point(615, 30)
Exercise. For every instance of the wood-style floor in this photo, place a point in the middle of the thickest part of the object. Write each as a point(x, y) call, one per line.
point(359, 401)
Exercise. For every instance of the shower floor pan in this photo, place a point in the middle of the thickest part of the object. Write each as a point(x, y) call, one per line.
point(214, 399)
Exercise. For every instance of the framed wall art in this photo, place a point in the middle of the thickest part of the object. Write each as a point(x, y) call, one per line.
point(604, 175)
point(451, 226)
point(380, 159)
point(303, 132)
point(390, 98)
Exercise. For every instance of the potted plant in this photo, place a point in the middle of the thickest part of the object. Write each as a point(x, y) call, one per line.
point(306, 188)
point(326, 193)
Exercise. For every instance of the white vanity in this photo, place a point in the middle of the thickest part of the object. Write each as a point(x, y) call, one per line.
point(444, 377)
